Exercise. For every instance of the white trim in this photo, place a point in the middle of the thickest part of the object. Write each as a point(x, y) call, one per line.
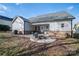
point(41, 23)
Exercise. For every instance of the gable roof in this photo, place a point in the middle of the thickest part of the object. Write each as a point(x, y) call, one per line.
point(58, 16)
point(24, 19)
point(5, 18)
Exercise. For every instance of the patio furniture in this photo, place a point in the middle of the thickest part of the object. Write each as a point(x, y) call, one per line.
point(36, 35)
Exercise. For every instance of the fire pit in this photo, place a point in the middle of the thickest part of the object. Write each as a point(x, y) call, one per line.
point(41, 38)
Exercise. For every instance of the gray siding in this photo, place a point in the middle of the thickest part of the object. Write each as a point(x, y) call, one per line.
point(27, 26)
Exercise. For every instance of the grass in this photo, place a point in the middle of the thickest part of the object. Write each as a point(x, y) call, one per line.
point(21, 46)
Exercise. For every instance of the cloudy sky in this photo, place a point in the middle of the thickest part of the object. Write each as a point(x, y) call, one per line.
point(30, 9)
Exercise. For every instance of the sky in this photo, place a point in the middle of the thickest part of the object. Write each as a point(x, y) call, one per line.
point(28, 10)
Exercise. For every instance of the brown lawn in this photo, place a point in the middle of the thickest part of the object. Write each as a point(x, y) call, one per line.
point(22, 46)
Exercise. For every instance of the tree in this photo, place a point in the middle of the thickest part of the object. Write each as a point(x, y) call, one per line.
point(4, 27)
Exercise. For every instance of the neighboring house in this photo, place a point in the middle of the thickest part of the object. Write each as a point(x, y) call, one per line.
point(60, 21)
point(21, 24)
point(5, 20)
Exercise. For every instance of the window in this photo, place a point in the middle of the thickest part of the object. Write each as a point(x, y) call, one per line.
point(47, 27)
point(62, 25)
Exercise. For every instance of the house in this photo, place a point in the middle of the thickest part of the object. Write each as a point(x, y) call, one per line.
point(5, 20)
point(21, 24)
point(59, 21)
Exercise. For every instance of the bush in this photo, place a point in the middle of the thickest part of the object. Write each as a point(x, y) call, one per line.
point(15, 32)
point(68, 35)
point(76, 35)
point(4, 28)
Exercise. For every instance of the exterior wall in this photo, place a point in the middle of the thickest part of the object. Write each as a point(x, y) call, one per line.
point(56, 26)
point(27, 26)
point(18, 24)
point(5, 22)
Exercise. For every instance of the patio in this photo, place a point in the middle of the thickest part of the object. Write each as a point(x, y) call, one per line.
point(42, 38)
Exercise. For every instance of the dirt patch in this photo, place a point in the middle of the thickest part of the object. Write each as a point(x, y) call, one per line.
point(56, 51)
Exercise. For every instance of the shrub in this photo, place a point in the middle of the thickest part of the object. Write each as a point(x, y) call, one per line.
point(76, 35)
point(68, 35)
point(4, 28)
point(15, 32)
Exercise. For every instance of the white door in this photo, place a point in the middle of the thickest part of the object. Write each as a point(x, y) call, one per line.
point(42, 28)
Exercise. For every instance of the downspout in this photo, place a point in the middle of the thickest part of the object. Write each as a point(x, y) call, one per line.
point(24, 27)
point(71, 29)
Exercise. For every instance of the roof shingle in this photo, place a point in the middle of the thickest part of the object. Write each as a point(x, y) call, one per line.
point(59, 16)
